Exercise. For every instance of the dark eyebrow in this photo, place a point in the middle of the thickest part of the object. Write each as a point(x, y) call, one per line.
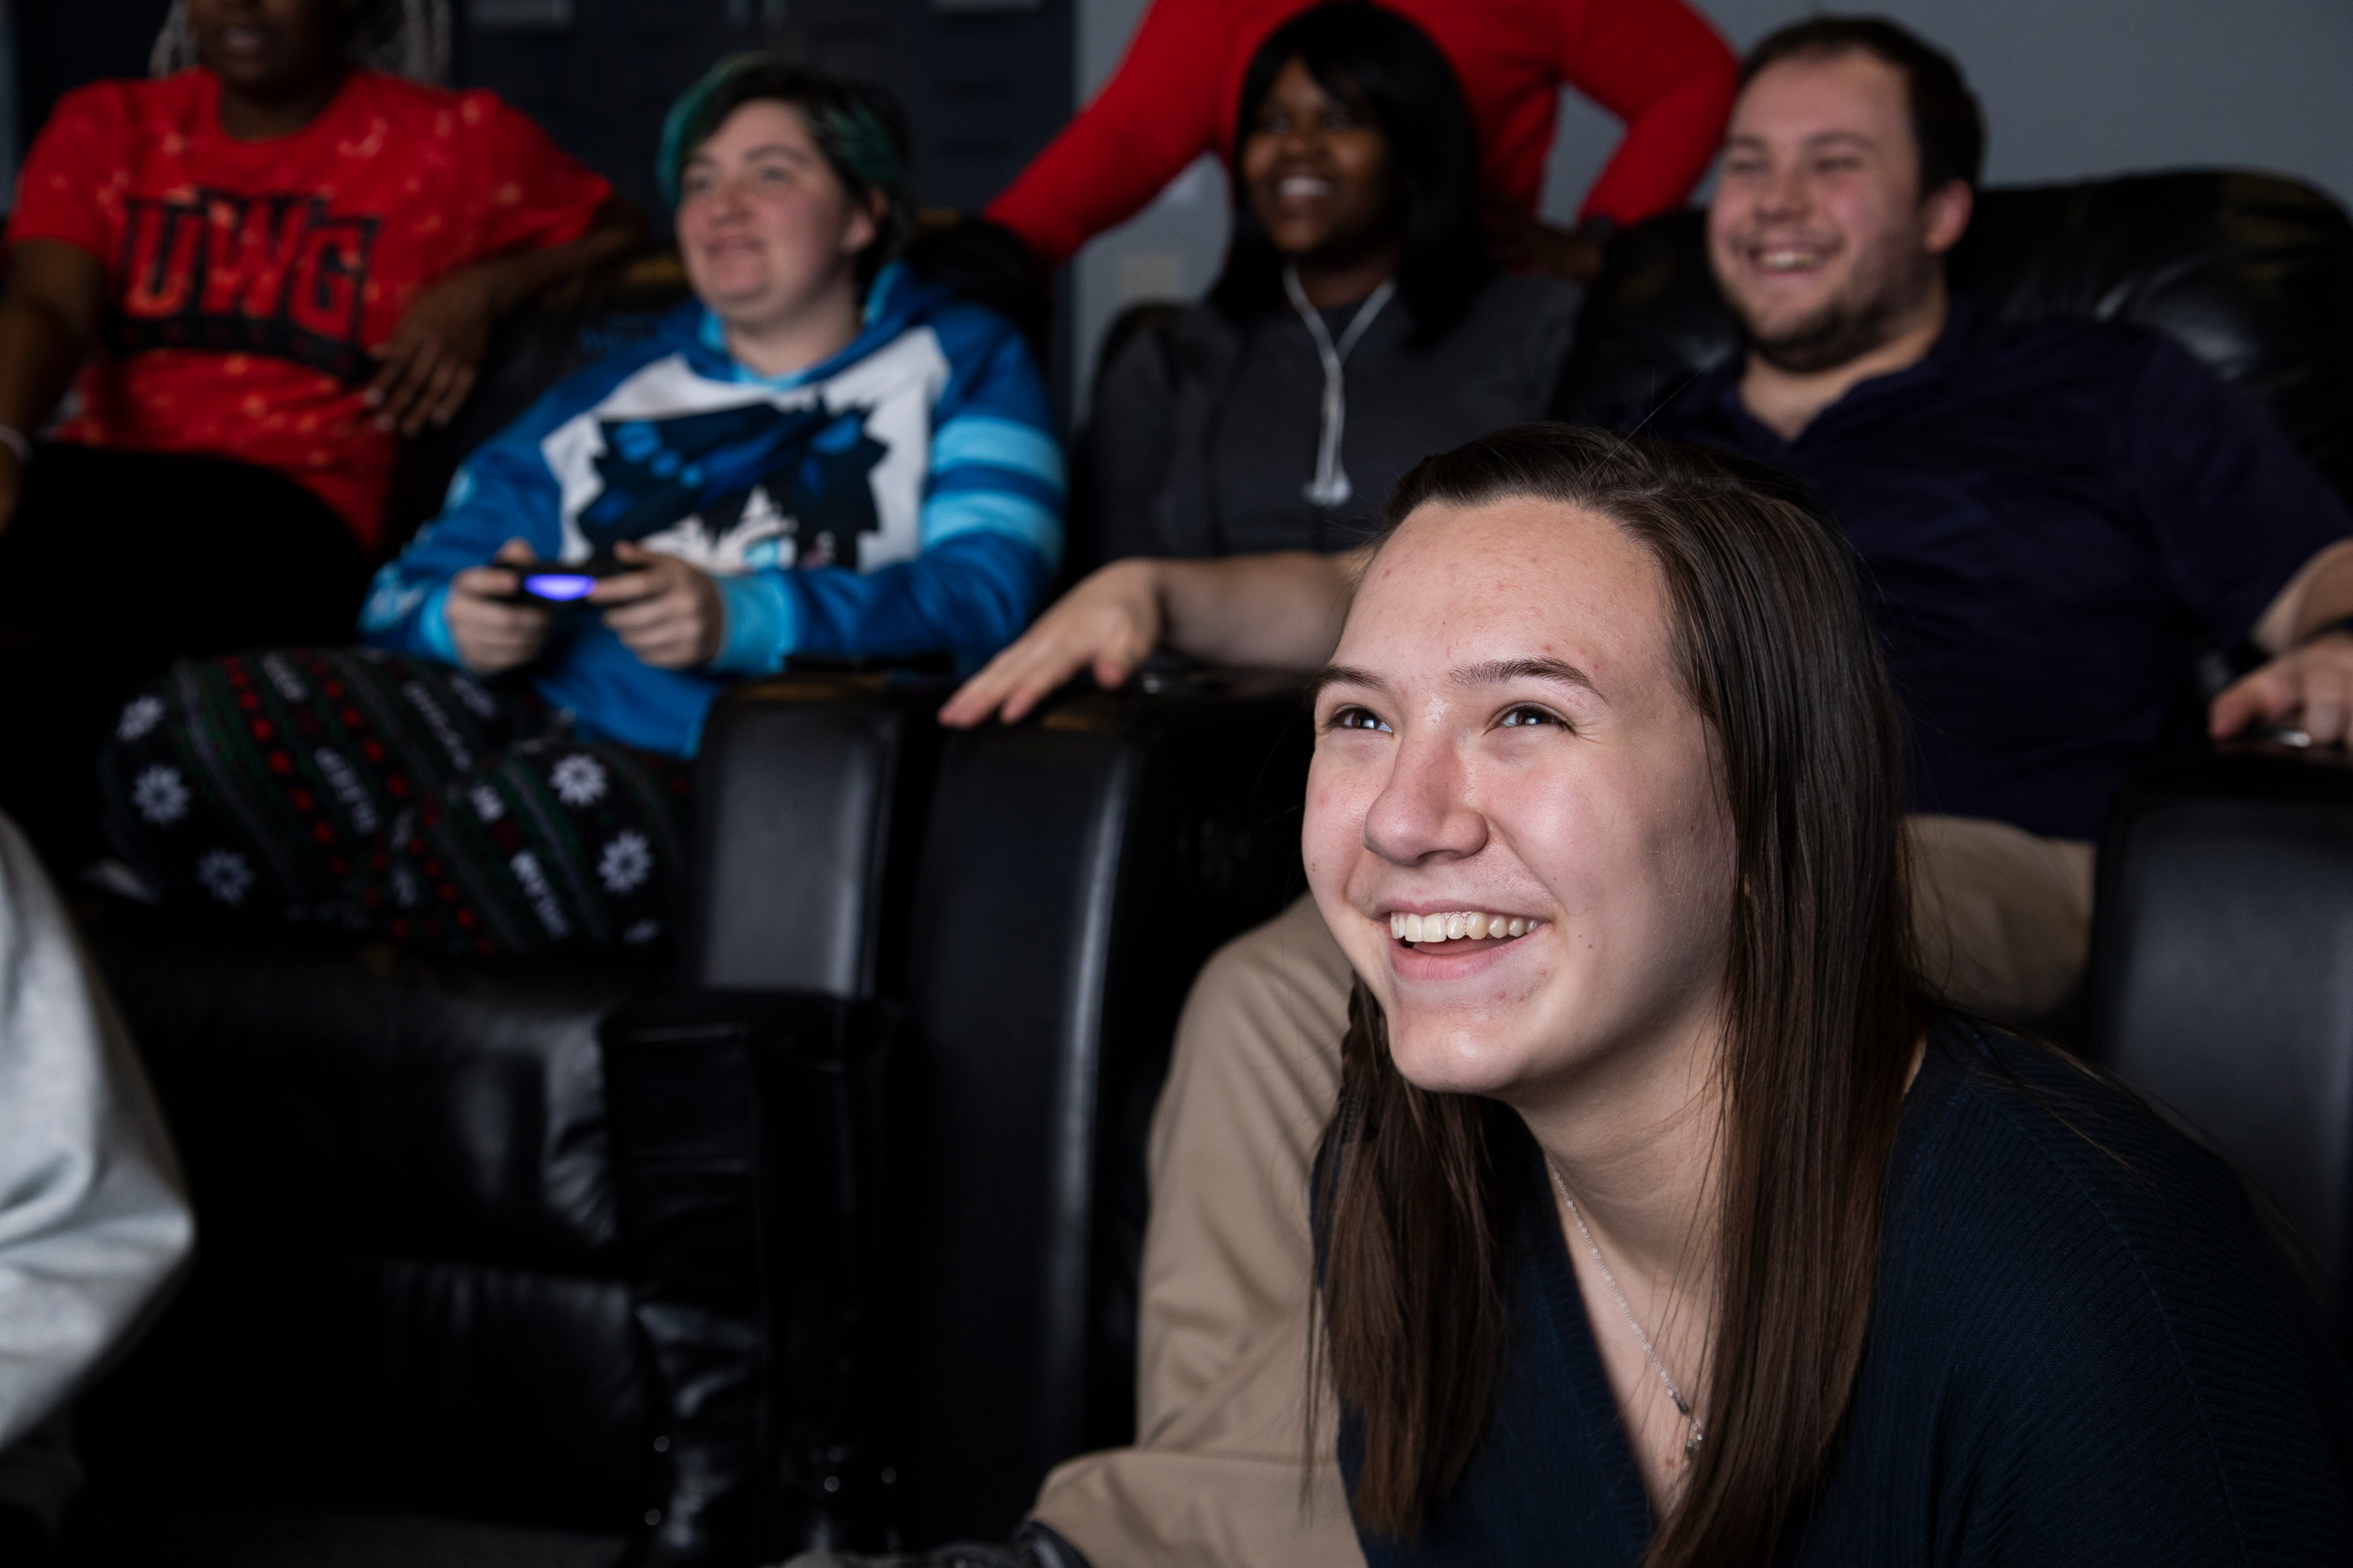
point(1750, 138)
point(765, 150)
point(1495, 672)
point(1342, 675)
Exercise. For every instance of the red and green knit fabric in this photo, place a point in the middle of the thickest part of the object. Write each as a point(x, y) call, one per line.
point(393, 796)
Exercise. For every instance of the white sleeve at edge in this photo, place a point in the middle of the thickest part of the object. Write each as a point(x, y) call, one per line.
point(93, 1217)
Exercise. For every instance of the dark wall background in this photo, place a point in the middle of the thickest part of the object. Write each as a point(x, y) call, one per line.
point(986, 82)
point(985, 87)
point(60, 45)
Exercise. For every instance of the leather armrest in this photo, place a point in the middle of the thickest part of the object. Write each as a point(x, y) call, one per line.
point(1077, 873)
point(806, 790)
point(2221, 981)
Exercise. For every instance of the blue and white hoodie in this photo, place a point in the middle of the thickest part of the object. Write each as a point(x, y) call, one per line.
point(904, 497)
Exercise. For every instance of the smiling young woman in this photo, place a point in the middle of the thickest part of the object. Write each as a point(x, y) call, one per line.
point(1678, 1226)
point(1358, 322)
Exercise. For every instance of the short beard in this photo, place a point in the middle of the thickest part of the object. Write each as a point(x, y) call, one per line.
point(1843, 331)
point(1837, 334)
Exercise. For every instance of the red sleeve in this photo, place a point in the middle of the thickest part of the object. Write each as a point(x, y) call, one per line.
point(77, 159)
point(1662, 69)
point(532, 192)
point(1158, 112)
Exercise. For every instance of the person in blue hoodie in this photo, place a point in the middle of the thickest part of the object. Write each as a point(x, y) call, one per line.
point(820, 454)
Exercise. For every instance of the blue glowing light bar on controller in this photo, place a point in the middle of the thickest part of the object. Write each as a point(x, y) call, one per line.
point(560, 586)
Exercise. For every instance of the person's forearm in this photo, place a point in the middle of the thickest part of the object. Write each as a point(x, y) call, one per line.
point(39, 351)
point(1279, 611)
point(2321, 593)
point(1660, 67)
point(518, 276)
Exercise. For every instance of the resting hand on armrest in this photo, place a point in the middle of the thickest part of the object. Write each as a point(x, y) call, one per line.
point(1279, 611)
point(429, 364)
point(2309, 684)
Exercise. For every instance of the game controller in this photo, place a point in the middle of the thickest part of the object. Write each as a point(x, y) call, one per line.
point(558, 584)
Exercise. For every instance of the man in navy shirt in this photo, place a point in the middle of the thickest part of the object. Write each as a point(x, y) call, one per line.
point(2054, 517)
point(2055, 514)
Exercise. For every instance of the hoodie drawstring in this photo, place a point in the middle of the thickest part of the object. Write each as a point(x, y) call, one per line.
point(1330, 486)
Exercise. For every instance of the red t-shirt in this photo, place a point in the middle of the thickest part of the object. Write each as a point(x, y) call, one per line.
point(248, 280)
point(1655, 64)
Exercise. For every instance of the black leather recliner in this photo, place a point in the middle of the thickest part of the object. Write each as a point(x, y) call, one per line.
point(409, 1290)
point(1077, 873)
point(416, 1287)
point(880, 1171)
point(2221, 975)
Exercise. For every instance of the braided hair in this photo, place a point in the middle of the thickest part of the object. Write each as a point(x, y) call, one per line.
point(405, 38)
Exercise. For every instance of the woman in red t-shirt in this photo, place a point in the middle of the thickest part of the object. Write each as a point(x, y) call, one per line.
point(1655, 64)
point(266, 270)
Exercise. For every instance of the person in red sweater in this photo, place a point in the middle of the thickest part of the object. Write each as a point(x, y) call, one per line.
point(257, 276)
point(1655, 64)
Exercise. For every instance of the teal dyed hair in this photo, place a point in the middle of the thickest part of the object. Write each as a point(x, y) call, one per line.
point(858, 125)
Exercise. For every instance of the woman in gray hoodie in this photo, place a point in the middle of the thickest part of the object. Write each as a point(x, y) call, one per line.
point(1358, 326)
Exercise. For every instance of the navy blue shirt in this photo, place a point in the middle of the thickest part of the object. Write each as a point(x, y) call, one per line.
point(2082, 1349)
point(2052, 518)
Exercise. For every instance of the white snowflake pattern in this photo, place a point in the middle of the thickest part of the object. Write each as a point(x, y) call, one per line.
point(487, 804)
point(642, 932)
point(579, 780)
point(143, 714)
point(160, 795)
point(626, 862)
point(281, 676)
point(226, 874)
point(403, 886)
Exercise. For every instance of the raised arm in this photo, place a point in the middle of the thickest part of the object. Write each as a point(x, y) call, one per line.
point(1662, 69)
point(1157, 113)
point(49, 319)
point(1279, 611)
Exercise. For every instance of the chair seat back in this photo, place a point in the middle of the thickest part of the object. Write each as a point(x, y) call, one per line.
point(2221, 981)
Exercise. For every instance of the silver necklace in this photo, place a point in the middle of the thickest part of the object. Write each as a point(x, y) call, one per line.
point(1683, 1406)
point(1330, 486)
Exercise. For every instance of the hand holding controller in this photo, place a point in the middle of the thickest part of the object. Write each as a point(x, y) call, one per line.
point(496, 625)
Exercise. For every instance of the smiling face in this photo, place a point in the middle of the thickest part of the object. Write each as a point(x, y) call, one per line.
point(1819, 234)
point(1503, 734)
point(767, 229)
point(270, 49)
point(1317, 171)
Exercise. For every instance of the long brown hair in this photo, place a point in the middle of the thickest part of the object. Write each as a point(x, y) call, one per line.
point(1822, 1010)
